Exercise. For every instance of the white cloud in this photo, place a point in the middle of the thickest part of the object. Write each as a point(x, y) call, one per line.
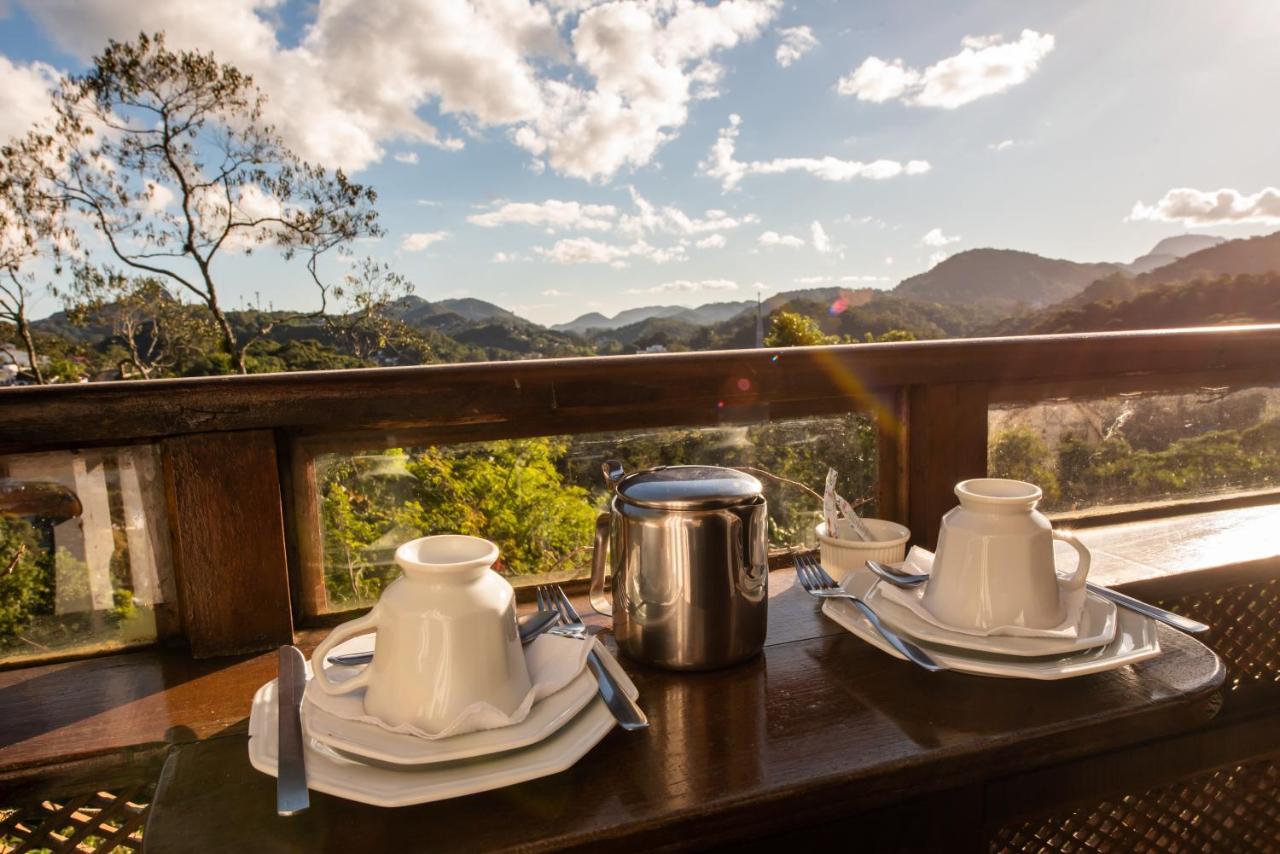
point(935, 237)
point(1001, 145)
point(773, 238)
point(685, 286)
point(406, 157)
point(585, 250)
point(796, 42)
point(428, 203)
point(1211, 207)
point(985, 66)
point(421, 240)
point(723, 164)
point(937, 258)
point(844, 280)
point(553, 292)
point(24, 96)
point(505, 257)
point(888, 260)
point(715, 241)
point(552, 214)
point(878, 81)
point(850, 219)
point(668, 219)
point(158, 197)
point(648, 61)
point(648, 218)
point(821, 242)
point(588, 90)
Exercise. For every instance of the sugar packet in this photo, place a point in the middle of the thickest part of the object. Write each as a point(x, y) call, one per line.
point(834, 505)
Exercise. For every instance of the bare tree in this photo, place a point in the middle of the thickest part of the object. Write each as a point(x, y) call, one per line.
point(155, 329)
point(368, 293)
point(166, 155)
point(31, 235)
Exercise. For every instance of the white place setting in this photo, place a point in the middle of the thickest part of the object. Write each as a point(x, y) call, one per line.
point(994, 600)
point(451, 702)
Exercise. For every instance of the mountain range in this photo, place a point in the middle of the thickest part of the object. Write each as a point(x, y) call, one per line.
point(1205, 279)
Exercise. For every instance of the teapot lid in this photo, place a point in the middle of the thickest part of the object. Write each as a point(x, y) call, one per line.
point(688, 487)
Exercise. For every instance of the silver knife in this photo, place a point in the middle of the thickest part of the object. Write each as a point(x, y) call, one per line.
point(1178, 621)
point(291, 773)
point(628, 715)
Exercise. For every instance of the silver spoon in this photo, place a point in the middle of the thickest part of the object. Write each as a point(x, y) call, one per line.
point(530, 626)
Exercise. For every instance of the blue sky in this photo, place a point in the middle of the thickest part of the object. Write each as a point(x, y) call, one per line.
point(584, 156)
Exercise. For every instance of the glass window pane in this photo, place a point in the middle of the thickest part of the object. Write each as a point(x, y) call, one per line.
point(1142, 448)
point(538, 498)
point(84, 551)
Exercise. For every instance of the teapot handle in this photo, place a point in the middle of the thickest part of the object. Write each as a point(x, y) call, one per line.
point(599, 601)
point(1075, 580)
point(360, 626)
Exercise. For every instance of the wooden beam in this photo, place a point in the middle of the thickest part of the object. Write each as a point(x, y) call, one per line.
point(590, 394)
point(947, 443)
point(892, 453)
point(227, 527)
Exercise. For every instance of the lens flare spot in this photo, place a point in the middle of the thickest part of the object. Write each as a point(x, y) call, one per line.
point(839, 306)
point(744, 384)
point(719, 404)
point(776, 357)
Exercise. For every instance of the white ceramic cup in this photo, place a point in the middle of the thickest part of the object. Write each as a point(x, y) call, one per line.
point(994, 564)
point(447, 638)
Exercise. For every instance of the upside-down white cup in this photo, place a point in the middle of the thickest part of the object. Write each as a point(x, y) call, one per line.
point(842, 556)
point(994, 564)
point(447, 638)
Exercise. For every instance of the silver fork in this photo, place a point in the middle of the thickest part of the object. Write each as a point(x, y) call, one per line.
point(625, 710)
point(816, 582)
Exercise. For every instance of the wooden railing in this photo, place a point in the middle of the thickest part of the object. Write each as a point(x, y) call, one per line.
point(239, 452)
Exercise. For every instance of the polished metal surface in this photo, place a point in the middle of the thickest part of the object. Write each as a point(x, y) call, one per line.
point(816, 582)
point(686, 487)
point(690, 586)
point(291, 774)
point(1169, 618)
point(626, 711)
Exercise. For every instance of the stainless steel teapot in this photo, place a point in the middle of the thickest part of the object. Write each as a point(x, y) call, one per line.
point(688, 549)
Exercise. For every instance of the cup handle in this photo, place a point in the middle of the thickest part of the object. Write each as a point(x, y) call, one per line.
point(1075, 580)
point(346, 631)
point(599, 601)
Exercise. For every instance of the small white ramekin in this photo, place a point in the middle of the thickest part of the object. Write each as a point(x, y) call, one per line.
point(839, 557)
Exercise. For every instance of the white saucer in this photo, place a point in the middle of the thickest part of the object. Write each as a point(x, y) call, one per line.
point(329, 772)
point(1097, 626)
point(1135, 640)
point(368, 742)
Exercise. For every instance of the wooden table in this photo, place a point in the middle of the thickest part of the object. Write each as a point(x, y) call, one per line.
point(819, 728)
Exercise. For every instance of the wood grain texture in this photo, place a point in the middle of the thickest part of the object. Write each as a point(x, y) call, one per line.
point(893, 486)
point(810, 731)
point(947, 443)
point(228, 541)
point(591, 394)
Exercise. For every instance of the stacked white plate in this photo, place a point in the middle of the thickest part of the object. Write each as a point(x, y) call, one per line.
point(365, 762)
point(1096, 636)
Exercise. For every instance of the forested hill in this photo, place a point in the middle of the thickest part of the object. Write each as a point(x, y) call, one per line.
point(1202, 302)
point(1002, 279)
point(1250, 255)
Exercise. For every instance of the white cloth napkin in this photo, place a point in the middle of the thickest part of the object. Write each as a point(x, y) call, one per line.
point(921, 561)
point(553, 662)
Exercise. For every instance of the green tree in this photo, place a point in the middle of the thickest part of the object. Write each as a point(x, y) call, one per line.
point(25, 573)
point(1020, 454)
point(788, 329)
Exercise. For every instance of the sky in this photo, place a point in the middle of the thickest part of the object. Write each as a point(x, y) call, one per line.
point(570, 156)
